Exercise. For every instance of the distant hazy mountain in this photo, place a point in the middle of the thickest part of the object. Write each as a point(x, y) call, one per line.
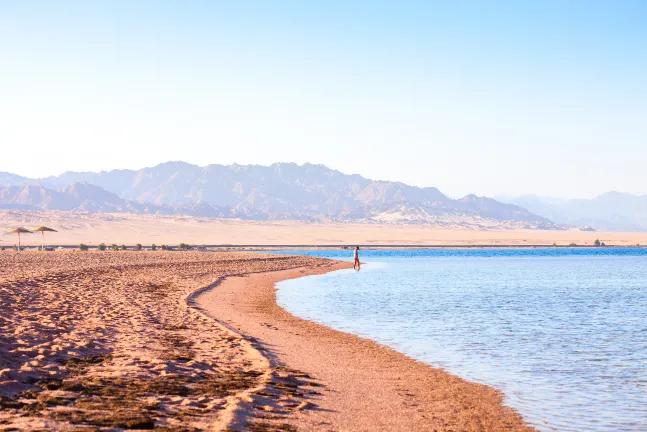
point(78, 197)
point(8, 179)
point(611, 211)
point(89, 198)
point(279, 191)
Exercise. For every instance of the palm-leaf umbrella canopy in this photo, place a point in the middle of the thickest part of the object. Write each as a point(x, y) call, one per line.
point(18, 231)
point(42, 230)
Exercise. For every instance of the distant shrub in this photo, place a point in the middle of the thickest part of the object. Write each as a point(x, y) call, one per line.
point(603, 244)
point(154, 247)
point(164, 247)
point(15, 247)
point(102, 247)
point(2, 248)
point(597, 243)
point(123, 247)
point(181, 246)
point(572, 245)
point(114, 247)
point(83, 247)
point(138, 247)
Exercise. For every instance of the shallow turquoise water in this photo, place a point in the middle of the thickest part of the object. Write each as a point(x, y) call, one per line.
point(562, 332)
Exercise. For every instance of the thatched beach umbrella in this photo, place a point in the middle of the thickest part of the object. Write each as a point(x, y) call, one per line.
point(42, 231)
point(18, 231)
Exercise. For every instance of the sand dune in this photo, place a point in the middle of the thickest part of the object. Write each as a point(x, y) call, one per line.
point(94, 228)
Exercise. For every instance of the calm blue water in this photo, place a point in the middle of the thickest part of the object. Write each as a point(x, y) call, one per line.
point(562, 332)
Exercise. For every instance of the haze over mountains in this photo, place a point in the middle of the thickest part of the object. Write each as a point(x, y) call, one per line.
point(611, 211)
point(282, 191)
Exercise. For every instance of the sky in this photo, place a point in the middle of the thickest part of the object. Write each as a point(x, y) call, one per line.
point(502, 97)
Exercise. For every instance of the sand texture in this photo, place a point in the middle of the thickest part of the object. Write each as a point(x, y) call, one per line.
point(326, 380)
point(107, 341)
point(129, 229)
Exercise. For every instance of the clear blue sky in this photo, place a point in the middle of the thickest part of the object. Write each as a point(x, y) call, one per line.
point(545, 97)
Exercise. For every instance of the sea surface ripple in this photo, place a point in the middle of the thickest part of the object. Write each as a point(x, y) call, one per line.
point(562, 332)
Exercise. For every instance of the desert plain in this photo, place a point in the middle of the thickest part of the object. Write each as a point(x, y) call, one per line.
point(119, 228)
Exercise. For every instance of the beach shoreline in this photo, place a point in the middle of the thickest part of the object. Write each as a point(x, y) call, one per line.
point(196, 341)
point(360, 385)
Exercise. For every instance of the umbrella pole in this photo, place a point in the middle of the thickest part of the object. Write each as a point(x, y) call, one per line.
point(42, 248)
point(18, 242)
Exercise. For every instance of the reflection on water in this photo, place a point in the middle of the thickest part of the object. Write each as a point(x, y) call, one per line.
point(562, 334)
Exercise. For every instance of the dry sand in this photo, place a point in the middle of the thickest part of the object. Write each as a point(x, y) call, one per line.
point(120, 340)
point(94, 228)
point(326, 380)
point(107, 340)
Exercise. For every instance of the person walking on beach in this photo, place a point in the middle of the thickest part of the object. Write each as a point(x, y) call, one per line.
point(356, 265)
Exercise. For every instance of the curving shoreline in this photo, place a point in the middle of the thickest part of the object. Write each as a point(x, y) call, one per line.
point(359, 384)
point(105, 340)
point(123, 340)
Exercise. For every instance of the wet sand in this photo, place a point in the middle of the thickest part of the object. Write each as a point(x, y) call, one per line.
point(322, 379)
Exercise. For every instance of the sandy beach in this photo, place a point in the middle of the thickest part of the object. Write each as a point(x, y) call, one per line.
point(107, 340)
point(183, 341)
point(359, 385)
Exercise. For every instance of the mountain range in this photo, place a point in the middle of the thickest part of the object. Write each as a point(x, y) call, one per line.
point(277, 192)
point(611, 211)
